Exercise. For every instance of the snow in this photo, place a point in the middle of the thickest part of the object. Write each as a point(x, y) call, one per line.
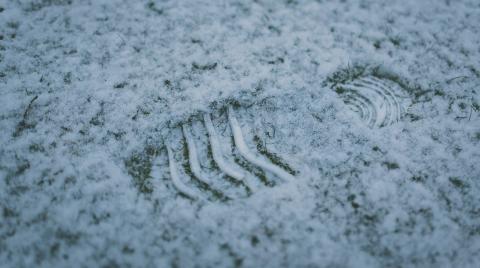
point(93, 91)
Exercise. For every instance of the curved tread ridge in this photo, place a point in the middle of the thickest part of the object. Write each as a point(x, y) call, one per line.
point(228, 168)
point(245, 151)
point(378, 102)
point(179, 185)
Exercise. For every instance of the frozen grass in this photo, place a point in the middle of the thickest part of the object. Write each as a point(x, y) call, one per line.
point(92, 91)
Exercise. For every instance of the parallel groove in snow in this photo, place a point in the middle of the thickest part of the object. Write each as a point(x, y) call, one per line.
point(229, 168)
point(179, 185)
point(245, 152)
point(193, 157)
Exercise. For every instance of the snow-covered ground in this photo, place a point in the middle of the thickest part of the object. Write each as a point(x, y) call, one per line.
point(361, 123)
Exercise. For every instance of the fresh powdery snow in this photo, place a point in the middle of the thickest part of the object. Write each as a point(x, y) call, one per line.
point(258, 133)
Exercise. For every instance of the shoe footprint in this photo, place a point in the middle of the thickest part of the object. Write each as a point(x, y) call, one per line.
point(244, 166)
point(208, 165)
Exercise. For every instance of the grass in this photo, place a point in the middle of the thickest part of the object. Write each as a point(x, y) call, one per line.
point(345, 75)
point(217, 195)
point(204, 67)
point(120, 85)
point(38, 5)
point(152, 7)
point(351, 199)
point(139, 166)
point(252, 169)
point(275, 159)
point(99, 119)
point(457, 182)
point(417, 178)
point(391, 165)
point(24, 123)
point(213, 165)
point(237, 260)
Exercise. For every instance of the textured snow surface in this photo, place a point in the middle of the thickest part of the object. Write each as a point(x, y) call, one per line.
point(93, 92)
